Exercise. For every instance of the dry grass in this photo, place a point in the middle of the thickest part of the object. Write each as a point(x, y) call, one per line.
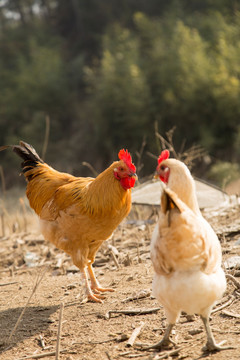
point(16, 214)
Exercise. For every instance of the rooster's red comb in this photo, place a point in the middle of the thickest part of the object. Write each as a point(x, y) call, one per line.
point(126, 157)
point(164, 155)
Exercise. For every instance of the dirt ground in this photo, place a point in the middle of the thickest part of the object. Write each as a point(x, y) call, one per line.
point(100, 331)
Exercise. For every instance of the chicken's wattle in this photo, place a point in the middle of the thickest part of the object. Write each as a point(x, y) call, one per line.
point(127, 182)
point(164, 177)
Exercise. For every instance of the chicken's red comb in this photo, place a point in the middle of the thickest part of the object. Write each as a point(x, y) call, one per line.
point(164, 155)
point(126, 157)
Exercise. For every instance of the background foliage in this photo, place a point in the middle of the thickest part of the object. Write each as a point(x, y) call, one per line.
point(109, 72)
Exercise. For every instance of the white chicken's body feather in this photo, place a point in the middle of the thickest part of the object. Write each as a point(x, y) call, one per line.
point(185, 252)
point(189, 289)
point(192, 291)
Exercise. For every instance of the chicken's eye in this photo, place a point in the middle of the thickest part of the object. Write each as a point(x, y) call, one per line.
point(121, 169)
point(162, 167)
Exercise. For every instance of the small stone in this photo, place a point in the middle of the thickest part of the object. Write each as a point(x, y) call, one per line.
point(142, 227)
point(71, 286)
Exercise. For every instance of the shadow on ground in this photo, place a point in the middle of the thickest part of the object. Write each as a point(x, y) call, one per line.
point(35, 320)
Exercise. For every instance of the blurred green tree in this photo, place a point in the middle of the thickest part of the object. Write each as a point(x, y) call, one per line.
point(119, 94)
point(106, 72)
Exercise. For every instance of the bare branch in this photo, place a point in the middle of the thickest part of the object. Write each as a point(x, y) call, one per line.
point(59, 332)
point(224, 305)
point(42, 355)
point(39, 279)
point(131, 312)
point(135, 334)
point(234, 281)
point(188, 156)
point(46, 137)
point(95, 173)
point(139, 154)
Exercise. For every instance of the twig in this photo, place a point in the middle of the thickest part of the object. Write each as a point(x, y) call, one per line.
point(120, 338)
point(108, 356)
point(46, 137)
point(229, 313)
point(139, 155)
point(168, 353)
point(166, 144)
point(39, 279)
point(221, 301)
point(131, 312)
point(24, 213)
point(114, 258)
point(129, 355)
point(3, 181)
point(138, 253)
point(141, 295)
point(135, 334)
point(84, 163)
point(42, 342)
point(188, 156)
point(93, 342)
point(59, 332)
point(232, 278)
point(3, 224)
point(9, 283)
point(224, 305)
point(158, 143)
point(152, 155)
point(42, 355)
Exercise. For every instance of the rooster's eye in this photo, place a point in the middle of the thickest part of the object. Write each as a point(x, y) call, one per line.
point(121, 169)
point(162, 167)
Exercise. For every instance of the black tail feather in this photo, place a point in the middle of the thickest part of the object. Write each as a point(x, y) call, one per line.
point(27, 153)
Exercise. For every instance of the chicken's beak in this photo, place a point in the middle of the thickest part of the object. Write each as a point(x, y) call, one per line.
point(156, 176)
point(134, 175)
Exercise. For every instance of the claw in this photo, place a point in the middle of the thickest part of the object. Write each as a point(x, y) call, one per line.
point(212, 346)
point(164, 342)
point(159, 346)
point(97, 295)
point(100, 289)
point(95, 298)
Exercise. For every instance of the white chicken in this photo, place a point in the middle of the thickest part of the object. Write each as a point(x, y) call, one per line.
point(185, 252)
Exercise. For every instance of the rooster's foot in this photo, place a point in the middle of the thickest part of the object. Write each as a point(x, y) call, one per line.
point(99, 289)
point(95, 298)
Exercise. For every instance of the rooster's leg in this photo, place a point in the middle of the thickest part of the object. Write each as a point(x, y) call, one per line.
point(211, 344)
point(91, 296)
point(95, 286)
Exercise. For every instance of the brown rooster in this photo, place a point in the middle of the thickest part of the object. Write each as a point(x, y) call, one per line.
point(78, 213)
